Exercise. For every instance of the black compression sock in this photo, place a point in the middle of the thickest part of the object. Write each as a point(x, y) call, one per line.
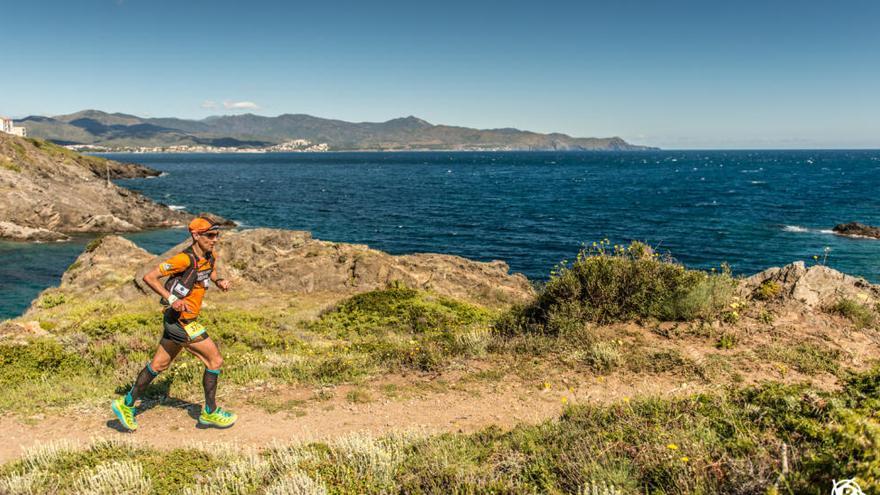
point(143, 379)
point(209, 381)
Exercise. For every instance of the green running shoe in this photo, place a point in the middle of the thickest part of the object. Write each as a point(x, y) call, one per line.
point(125, 414)
point(218, 418)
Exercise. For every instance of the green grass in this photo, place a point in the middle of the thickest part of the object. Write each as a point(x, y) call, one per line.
point(96, 348)
point(606, 285)
point(727, 442)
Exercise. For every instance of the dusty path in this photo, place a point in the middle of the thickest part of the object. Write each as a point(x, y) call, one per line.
point(425, 405)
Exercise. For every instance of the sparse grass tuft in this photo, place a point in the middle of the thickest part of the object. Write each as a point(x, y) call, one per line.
point(358, 396)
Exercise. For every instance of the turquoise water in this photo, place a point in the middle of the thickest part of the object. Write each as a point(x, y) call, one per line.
point(752, 209)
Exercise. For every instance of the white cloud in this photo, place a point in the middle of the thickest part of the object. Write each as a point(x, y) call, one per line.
point(240, 105)
point(209, 104)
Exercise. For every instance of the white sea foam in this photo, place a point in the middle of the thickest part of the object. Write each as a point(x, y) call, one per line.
point(176, 207)
point(759, 182)
point(804, 230)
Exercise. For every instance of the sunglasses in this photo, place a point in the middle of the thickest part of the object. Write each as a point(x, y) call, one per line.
point(211, 235)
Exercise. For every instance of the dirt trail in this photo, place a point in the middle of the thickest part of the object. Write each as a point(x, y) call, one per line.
point(426, 407)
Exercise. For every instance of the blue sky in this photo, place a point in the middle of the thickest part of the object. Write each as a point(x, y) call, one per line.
point(675, 74)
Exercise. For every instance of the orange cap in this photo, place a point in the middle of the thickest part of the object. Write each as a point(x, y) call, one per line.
point(202, 224)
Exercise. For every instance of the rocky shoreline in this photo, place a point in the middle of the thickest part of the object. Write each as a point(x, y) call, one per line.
point(48, 192)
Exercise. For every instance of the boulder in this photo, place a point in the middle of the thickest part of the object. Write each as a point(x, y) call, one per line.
point(815, 287)
point(107, 262)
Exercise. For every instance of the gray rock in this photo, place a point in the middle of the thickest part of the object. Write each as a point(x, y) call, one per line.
point(9, 230)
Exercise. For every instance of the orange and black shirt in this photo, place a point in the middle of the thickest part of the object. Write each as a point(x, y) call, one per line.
point(176, 265)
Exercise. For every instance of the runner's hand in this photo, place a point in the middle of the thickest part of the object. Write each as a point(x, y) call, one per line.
point(223, 284)
point(180, 306)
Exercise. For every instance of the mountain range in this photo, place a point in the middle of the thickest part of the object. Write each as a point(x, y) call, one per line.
point(118, 130)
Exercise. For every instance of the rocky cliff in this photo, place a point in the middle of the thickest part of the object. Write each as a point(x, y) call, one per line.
point(283, 263)
point(47, 192)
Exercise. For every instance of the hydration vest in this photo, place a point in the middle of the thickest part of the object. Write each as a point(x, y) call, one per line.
point(182, 284)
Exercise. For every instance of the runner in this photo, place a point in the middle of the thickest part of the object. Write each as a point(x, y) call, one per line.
point(188, 272)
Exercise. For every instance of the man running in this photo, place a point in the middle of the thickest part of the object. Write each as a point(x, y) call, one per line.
point(188, 272)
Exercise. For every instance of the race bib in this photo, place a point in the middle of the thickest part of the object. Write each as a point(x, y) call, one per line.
point(194, 329)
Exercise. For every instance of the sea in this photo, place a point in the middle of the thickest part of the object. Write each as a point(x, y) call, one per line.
point(534, 210)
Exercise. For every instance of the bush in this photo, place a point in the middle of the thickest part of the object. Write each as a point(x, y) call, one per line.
point(860, 314)
point(408, 328)
point(606, 285)
point(41, 357)
point(52, 299)
point(9, 165)
point(604, 356)
point(727, 341)
point(768, 290)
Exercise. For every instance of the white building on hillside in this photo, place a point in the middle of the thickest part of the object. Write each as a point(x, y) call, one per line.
point(7, 126)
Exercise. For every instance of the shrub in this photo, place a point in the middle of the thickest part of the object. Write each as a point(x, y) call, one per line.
point(768, 290)
point(9, 165)
point(626, 283)
point(52, 299)
point(94, 243)
point(727, 341)
point(407, 328)
point(41, 357)
point(604, 356)
point(766, 317)
point(860, 314)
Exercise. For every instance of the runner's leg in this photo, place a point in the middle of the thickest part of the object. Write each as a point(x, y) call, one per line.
point(166, 353)
point(206, 350)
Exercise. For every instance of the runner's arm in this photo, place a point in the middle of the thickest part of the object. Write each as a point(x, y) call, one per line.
point(219, 281)
point(152, 280)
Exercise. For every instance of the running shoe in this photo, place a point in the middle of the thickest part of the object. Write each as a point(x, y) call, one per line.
point(219, 418)
point(125, 414)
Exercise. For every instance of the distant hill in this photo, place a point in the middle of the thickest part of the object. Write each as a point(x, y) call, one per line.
point(410, 133)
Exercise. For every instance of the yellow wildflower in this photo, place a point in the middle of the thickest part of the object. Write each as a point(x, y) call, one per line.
point(672, 446)
point(685, 459)
point(565, 400)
